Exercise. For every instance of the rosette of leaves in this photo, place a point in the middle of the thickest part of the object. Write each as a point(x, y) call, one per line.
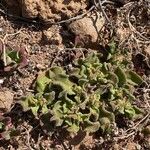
point(87, 97)
point(5, 127)
point(11, 58)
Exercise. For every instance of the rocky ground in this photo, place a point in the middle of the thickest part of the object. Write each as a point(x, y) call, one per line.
point(46, 28)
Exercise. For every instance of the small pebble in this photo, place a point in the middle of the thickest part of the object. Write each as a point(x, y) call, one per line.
point(1, 81)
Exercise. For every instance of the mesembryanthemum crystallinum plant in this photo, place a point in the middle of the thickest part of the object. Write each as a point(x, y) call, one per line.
point(89, 96)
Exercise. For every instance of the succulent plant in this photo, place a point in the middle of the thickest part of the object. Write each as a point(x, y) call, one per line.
point(11, 59)
point(88, 96)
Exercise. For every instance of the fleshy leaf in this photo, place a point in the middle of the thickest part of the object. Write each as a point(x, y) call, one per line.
point(75, 72)
point(13, 56)
point(16, 57)
point(104, 113)
point(34, 110)
point(134, 78)
point(44, 109)
point(129, 110)
point(50, 97)
point(42, 82)
point(129, 94)
point(30, 103)
point(57, 114)
point(73, 128)
point(112, 46)
point(59, 77)
point(113, 77)
point(92, 58)
point(92, 126)
point(104, 124)
point(121, 76)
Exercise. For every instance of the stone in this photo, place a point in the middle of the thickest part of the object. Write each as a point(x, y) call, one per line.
point(52, 9)
point(87, 28)
point(6, 99)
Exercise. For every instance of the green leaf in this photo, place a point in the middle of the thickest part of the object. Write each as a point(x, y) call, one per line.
point(104, 124)
point(138, 110)
point(44, 109)
point(134, 78)
point(95, 113)
point(129, 94)
point(104, 113)
point(13, 56)
point(59, 77)
point(30, 103)
point(92, 126)
point(63, 96)
point(41, 82)
point(92, 58)
point(83, 83)
point(75, 73)
point(82, 100)
point(73, 128)
point(65, 109)
point(57, 114)
point(25, 103)
point(113, 77)
point(109, 56)
point(83, 71)
point(50, 97)
point(112, 46)
point(55, 71)
point(121, 76)
point(34, 110)
point(129, 111)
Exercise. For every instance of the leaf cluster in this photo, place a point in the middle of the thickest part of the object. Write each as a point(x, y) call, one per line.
point(11, 58)
point(89, 96)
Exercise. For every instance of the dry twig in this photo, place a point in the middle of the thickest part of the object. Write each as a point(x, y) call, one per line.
point(133, 29)
point(28, 138)
point(99, 6)
point(137, 124)
point(133, 129)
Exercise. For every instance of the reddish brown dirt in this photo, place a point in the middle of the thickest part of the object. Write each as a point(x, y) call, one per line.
point(42, 44)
